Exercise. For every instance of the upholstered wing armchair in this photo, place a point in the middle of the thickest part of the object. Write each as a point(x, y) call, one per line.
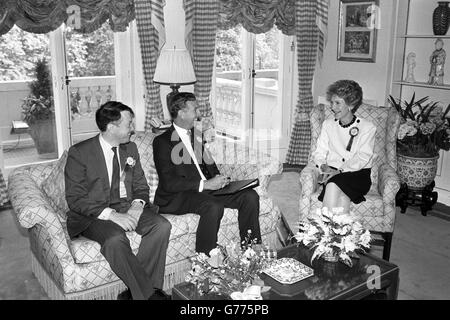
point(377, 213)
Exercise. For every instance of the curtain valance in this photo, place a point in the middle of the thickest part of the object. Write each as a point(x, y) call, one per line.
point(258, 16)
point(42, 16)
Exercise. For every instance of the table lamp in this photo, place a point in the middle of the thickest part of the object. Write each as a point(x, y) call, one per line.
point(174, 68)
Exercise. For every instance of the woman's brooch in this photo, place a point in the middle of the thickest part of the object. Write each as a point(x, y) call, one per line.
point(353, 133)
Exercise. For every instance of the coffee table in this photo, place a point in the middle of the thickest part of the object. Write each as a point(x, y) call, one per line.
point(369, 277)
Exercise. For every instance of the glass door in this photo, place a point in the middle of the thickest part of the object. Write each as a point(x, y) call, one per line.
point(27, 124)
point(252, 72)
point(90, 78)
point(227, 99)
point(266, 112)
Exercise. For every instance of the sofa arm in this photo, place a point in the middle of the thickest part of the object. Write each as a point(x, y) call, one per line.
point(32, 207)
point(240, 162)
point(388, 183)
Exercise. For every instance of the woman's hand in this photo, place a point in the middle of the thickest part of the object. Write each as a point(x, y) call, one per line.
point(327, 173)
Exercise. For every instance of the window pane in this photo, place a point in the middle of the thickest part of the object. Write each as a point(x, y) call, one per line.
point(90, 64)
point(228, 83)
point(27, 124)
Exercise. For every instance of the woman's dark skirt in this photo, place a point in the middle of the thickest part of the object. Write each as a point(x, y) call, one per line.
point(354, 184)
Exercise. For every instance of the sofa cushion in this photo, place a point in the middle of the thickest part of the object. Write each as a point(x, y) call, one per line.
point(86, 251)
point(54, 187)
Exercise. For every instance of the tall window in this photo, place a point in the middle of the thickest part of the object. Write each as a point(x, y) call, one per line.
point(90, 70)
point(247, 95)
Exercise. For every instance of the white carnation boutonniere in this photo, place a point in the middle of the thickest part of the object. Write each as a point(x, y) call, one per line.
point(131, 162)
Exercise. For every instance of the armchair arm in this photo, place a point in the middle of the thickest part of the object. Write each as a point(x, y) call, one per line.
point(309, 178)
point(308, 185)
point(388, 183)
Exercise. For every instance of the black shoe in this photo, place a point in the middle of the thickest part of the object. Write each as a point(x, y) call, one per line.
point(159, 295)
point(125, 295)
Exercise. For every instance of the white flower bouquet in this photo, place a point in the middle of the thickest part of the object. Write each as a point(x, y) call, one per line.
point(228, 269)
point(332, 233)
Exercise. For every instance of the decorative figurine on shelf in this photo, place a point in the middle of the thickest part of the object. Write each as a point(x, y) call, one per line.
point(437, 60)
point(411, 64)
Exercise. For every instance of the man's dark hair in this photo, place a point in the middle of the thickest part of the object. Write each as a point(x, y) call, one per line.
point(348, 90)
point(110, 112)
point(178, 102)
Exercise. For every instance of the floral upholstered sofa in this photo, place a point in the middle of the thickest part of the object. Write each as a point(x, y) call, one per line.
point(77, 270)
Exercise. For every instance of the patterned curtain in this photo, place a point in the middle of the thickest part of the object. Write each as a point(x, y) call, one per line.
point(201, 26)
point(3, 190)
point(42, 16)
point(307, 43)
point(150, 27)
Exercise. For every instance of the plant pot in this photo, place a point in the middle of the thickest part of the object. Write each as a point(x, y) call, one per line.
point(417, 173)
point(43, 133)
point(330, 257)
point(441, 18)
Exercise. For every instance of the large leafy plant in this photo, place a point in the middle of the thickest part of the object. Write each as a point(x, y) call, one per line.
point(424, 128)
point(39, 103)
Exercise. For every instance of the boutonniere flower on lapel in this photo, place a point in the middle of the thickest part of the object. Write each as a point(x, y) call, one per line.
point(131, 162)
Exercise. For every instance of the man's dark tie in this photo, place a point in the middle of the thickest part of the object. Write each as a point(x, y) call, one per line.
point(115, 179)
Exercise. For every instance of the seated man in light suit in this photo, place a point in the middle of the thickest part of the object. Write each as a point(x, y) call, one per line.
point(187, 178)
point(107, 194)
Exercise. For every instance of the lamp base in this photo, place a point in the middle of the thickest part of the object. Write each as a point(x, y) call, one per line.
point(171, 94)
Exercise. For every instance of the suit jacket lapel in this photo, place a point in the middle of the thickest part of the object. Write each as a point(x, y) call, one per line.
point(101, 162)
point(174, 138)
point(123, 156)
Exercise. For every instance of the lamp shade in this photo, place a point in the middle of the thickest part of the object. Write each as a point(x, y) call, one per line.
point(174, 68)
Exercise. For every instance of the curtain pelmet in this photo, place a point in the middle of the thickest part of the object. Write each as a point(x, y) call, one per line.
point(258, 16)
point(42, 16)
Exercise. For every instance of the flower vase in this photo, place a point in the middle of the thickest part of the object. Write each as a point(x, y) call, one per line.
point(441, 18)
point(330, 257)
point(417, 173)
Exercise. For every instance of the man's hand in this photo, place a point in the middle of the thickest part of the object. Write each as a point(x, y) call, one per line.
point(136, 210)
point(216, 183)
point(126, 221)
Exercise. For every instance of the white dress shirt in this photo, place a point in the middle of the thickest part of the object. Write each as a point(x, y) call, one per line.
point(186, 139)
point(109, 155)
point(332, 145)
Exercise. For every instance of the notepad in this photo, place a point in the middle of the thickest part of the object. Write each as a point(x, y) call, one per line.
point(236, 186)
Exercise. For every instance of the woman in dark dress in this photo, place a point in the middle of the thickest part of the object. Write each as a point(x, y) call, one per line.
point(344, 150)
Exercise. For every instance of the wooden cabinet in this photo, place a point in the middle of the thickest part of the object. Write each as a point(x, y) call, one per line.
point(414, 33)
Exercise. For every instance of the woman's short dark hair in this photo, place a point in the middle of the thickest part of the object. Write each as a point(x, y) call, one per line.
point(178, 102)
point(348, 90)
point(110, 112)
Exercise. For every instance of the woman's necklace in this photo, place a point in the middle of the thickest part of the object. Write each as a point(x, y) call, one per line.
point(348, 124)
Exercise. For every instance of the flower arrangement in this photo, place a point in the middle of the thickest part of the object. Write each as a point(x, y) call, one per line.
point(424, 128)
point(333, 233)
point(228, 269)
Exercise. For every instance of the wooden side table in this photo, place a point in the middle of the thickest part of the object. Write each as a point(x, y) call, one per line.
point(425, 198)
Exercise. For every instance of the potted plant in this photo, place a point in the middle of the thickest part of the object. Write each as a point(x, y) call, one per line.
point(423, 132)
point(39, 113)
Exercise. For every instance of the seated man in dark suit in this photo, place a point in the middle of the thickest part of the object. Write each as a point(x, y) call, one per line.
point(187, 176)
point(108, 194)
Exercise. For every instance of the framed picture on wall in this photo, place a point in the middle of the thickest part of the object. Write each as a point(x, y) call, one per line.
point(358, 23)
